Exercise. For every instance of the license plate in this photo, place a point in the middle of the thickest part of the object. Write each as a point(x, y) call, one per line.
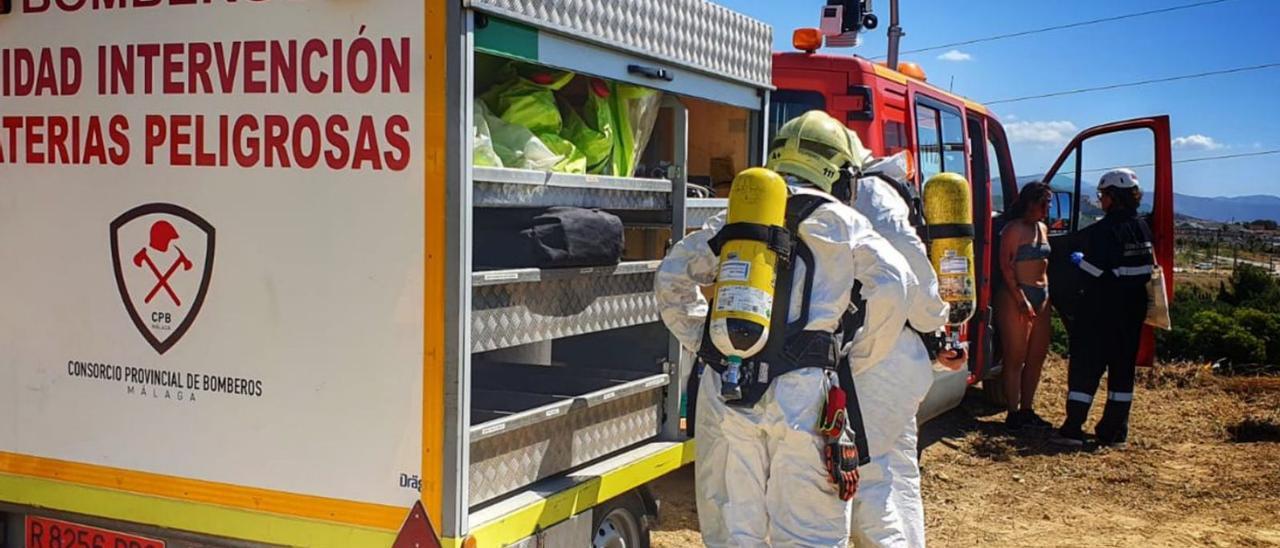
point(52, 533)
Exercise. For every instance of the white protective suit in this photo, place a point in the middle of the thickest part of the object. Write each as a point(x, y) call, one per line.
point(761, 479)
point(887, 509)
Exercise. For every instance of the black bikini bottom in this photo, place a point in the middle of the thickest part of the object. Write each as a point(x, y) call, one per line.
point(1035, 294)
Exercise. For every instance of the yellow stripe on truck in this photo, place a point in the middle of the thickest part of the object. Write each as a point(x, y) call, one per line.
point(560, 506)
point(64, 473)
point(889, 74)
point(898, 77)
point(436, 169)
point(975, 107)
point(187, 516)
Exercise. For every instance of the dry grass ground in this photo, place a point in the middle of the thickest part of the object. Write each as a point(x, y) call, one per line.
point(1202, 469)
point(1203, 281)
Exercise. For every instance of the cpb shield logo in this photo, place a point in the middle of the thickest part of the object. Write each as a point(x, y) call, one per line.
point(163, 259)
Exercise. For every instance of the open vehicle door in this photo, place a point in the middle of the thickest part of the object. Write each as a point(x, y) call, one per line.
point(1073, 207)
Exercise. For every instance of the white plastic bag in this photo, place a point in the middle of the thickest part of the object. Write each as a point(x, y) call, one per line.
point(516, 146)
point(483, 153)
point(1158, 301)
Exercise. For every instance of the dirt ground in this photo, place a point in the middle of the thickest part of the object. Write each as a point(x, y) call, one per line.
point(1202, 469)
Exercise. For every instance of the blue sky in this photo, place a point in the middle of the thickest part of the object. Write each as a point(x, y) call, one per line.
point(1230, 114)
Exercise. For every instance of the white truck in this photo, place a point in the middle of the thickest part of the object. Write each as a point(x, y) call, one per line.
point(237, 300)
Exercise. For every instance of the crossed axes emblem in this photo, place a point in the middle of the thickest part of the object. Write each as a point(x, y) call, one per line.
point(162, 234)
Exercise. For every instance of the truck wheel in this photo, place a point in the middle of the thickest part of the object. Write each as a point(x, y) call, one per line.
point(620, 523)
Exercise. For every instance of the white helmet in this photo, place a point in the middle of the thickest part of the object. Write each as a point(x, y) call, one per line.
point(1118, 178)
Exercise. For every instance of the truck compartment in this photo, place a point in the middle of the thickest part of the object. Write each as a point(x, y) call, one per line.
point(572, 365)
point(703, 142)
point(532, 421)
point(523, 306)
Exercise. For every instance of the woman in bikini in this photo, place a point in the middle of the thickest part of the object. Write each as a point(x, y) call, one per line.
point(1022, 304)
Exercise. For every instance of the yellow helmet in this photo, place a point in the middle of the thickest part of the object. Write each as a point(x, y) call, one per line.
point(815, 147)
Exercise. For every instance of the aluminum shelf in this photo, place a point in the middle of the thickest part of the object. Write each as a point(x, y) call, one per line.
point(698, 210)
point(523, 306)
point(555, 401)
point(579, 420)
point(502, 187)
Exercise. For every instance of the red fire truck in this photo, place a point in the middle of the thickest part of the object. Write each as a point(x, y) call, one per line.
point(896, 110)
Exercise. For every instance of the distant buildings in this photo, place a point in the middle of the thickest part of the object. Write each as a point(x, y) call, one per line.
point(1223, 238)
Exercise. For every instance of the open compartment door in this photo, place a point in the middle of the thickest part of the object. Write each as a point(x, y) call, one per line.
point(1142, 144)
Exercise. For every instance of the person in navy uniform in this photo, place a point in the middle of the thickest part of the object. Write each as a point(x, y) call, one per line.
point(1116, 261)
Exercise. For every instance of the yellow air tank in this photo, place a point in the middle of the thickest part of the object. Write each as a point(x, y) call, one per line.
point(948, 210)
point(742, 302)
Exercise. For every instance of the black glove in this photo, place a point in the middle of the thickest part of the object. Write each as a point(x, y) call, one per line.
point(841, 456)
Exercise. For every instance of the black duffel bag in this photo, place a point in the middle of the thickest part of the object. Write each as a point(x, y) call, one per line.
point(554, 237)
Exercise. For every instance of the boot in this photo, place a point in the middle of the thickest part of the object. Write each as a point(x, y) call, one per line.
point(1071, 434)
point(1113, 428)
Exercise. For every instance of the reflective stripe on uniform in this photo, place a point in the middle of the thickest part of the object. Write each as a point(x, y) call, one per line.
point(1120, 396)
point(1092, 270)
point(1134, 250)
point(1132, 270)
point(1079, 396)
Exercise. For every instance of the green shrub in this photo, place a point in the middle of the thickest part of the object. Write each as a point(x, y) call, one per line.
point(1240, 322)
point(1207, 328)
point(1215, 336)
point(1240, 346)
point(1264, 326)
point(1058, 341)
point(1254, 287)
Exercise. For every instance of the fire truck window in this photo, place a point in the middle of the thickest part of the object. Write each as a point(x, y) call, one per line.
point(977, 154)
point(940, 137)
point(1064, 189)
point(895, 136)
point(1002, 177)
point(953, 157)
point(1101, 153)
point(997, 183)
point(928, 141)
point(786, 104)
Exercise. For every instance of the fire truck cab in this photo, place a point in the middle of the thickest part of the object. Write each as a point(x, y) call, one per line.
point(897, 110)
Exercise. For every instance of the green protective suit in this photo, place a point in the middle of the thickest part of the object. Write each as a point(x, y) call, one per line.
point(573, 160)
point(592, 132)
point(632, 108)
point(527, 97)
point(527, 102)
point(514, 146)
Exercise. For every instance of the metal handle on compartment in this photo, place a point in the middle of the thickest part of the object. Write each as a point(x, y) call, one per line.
point(652, 73)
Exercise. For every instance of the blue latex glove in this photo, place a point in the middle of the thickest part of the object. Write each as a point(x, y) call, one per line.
point(1076, 258)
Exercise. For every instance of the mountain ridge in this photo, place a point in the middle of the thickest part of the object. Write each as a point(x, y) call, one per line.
point(1213, 208)
point(1228, 208)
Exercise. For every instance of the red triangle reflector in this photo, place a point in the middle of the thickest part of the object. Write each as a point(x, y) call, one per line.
point(417, 531)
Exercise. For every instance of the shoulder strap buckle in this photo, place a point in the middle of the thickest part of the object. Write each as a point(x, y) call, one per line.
point(777, 238)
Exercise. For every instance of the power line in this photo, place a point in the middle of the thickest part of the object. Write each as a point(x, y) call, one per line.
point(1061, 27)
point(1228, 156)
point(1200, 159)
point(1137, 83)
point(1181, 161)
